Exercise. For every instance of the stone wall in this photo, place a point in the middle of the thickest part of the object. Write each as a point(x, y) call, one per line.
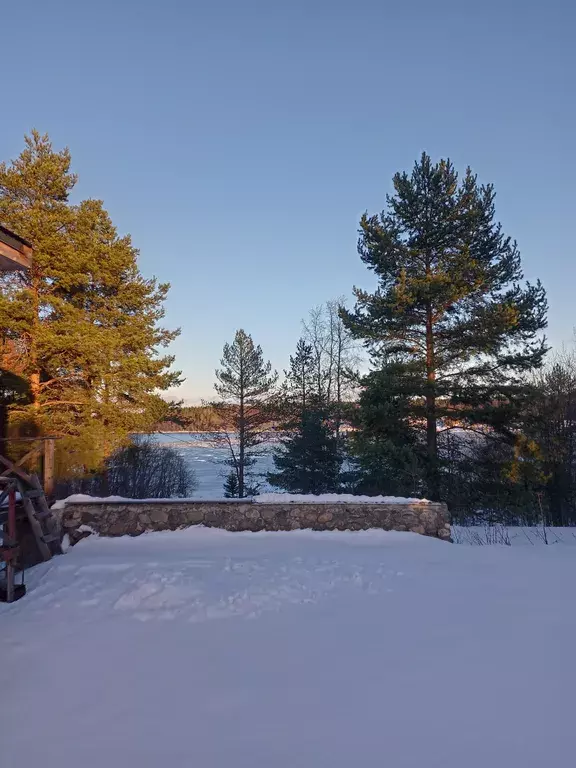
point(119, 518)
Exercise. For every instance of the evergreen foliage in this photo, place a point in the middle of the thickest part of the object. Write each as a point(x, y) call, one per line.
point(551, 421)
point(298, 392)
point(231, 486)
point(389, 454)
point(81, 327)
point(450, 316)
point(300, 378)
point(310, 459)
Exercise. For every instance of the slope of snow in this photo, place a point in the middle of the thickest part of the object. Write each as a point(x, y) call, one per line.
point(258, 650)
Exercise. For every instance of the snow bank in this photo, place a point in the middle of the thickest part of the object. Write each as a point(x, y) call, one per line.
point(332, 498)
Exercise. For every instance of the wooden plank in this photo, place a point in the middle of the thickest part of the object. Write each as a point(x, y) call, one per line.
point(12, 534)
point(15, 252)
point(11, 259)
point(36, 529)
point(28, 439)
point(12, 468)
point(49, 524)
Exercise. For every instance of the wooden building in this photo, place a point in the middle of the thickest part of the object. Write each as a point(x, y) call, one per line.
point(15, 252)
point(28, 531)
point(15, 256)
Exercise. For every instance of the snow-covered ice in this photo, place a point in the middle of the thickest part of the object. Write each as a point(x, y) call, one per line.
point(275, 650)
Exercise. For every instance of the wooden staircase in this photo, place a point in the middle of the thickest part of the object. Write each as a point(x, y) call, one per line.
point(22, 501)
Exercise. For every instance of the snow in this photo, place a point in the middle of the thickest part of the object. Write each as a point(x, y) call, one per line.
point(332, 498)
point(81, 498)
point(78, 498)
point(264, 498)
point(216, 649)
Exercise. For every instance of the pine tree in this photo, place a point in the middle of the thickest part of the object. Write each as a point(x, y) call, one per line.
point(83, 320)
point(246, 387)
point(449, 310)
point(300, 375)
point(298, 393)
point(310, 459)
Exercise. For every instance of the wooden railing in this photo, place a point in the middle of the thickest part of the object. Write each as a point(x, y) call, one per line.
point(43, 449)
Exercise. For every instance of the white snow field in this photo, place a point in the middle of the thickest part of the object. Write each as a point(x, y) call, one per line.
point(291, 650)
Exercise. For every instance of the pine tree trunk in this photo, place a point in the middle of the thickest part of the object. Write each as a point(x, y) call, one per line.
point(431, 425)
point(35, 390)
point(33, 359)
point(338, 389)
point(241, 436)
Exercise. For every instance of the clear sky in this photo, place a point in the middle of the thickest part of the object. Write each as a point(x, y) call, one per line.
point(240, 141)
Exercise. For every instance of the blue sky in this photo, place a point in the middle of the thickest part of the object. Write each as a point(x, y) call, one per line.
point(239, 142)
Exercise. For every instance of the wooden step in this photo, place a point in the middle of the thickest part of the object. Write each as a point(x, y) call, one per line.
point(35, 494)
point(37, 529)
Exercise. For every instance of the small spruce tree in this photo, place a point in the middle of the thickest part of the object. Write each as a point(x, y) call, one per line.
point(388, 455)
point(231, 487)
point(310, 459)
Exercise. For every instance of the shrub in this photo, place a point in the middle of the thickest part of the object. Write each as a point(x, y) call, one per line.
point(141, 470)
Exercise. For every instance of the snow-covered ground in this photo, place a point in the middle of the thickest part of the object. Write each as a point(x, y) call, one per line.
point(276, 650)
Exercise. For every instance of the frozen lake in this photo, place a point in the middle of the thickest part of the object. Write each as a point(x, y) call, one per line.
point(206, 458)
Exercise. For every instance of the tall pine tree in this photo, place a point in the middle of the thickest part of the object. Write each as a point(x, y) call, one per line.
point(449, 313)
point(246, 387)
point(82, 325)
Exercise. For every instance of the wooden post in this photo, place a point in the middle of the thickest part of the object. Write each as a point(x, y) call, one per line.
point(12, 537)
point(49, 467)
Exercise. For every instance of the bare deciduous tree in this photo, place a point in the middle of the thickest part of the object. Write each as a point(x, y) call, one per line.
point(335, 356)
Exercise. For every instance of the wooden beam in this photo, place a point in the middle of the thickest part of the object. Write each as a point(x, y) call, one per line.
point(13, 259)
point(12, 468)
point(48, 467)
